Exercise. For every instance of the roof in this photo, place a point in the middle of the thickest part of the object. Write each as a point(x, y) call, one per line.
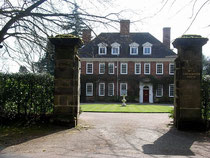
point(159, 50)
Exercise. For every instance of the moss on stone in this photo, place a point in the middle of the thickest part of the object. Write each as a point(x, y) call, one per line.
point(191, 36)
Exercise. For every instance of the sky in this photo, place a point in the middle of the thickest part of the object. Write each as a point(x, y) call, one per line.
point(151, 16)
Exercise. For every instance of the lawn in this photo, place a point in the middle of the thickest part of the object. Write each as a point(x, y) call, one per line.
point(129, 108)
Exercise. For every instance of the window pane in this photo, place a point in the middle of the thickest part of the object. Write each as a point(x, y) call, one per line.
point(111, 89)
point(123, 68)
point(90, 68)
point(101, 89)
point(147, 69)
point(147, 50)
point(115, 50)
point(171, 90)
point(137, 68)
point(102, 68)
point(159, 68)
point(159, 90)
point(111, 68)
point(102, 50)
point(171, 69)
point(89, 89)
point(123, 88)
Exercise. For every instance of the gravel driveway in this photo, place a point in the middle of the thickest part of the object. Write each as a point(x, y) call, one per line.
point(111, 135)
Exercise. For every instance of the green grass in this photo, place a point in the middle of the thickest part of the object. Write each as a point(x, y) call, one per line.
point(129, 108)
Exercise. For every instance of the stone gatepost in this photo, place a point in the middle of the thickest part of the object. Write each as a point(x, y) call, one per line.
point(187, 79)
point(67, 79)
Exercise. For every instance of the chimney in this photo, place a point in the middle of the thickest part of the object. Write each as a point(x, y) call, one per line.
point(86, 36)
point(167, 36)
point(124, 27)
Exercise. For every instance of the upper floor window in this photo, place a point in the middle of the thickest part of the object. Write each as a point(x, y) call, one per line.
point(89, 68)
point(101, 89)
point(147, 48)
point(101, 68)
point(134, 48)
point(171, 69)
point(102, 48)
point(159, 68)
point(115, 48)
point(111, 68)
point(89, 89)
point(146, 68)
point(137, 68)
point(124, 68)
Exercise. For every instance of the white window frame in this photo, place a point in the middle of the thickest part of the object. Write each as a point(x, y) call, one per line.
point(121, 65)
point(161, 88)
point(170, 68)
point(170, 90)
point(135, 46)
point(109, 68)
point(89, 93)
point(99, 89)
point(145, 68)
point(137, 73)
point(87, 68)
point(102, 46)
point(145, 46)
point(121, 88)
point(159, 73)
point(109, 89)
point(100, 64)
point(115, 46)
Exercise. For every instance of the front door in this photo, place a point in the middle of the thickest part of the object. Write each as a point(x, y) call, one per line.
point(146, 96)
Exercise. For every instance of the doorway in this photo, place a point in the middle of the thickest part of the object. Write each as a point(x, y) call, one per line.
point(146, 94)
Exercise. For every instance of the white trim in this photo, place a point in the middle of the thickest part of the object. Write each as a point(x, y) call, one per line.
point(157, 68)
point(145, 68)
point(134, 45)
point(100, 68)
point(102, 45)
point(109, 89)
point(145, 46)
point(170, 90)
point(87, 68)
point(141, 92)
point(89, 84)
point(161, 90)
point(169, 59)
point(117, 46)
point(109, 66)
point(99, 89)
point(170, 68)
point(121, 68)
point(121, 88)
point(139, 68)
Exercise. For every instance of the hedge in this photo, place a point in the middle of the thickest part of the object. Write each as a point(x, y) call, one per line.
point(25, 95)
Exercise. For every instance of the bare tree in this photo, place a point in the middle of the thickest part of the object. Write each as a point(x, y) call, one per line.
point(26, 24)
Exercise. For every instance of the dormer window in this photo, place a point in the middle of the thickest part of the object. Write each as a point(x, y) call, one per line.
point(147, 48)
point(134, 48)
point(115, 48)
point(102, 48)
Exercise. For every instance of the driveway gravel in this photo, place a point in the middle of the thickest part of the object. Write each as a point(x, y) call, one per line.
point(116, 135)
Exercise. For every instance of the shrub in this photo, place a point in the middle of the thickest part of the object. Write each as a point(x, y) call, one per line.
point(25, 96)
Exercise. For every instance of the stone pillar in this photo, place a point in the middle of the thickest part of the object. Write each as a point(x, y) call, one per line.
point(67, 80)
point(188, 74)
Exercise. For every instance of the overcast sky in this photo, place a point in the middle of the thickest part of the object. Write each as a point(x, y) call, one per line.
point(150, 16)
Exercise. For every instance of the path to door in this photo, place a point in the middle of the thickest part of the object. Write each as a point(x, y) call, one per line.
point(111, 135)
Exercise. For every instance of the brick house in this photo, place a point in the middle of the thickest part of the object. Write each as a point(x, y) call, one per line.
point(133, 63)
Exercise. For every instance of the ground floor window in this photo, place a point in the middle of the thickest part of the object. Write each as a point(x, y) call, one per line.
point(111, 89)
point(171, 90)
point(101, 89)
point(159, 90)
point(89, 89)
point(123, 89)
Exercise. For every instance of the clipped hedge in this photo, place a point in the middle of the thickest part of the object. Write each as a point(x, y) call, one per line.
point(25, 96)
